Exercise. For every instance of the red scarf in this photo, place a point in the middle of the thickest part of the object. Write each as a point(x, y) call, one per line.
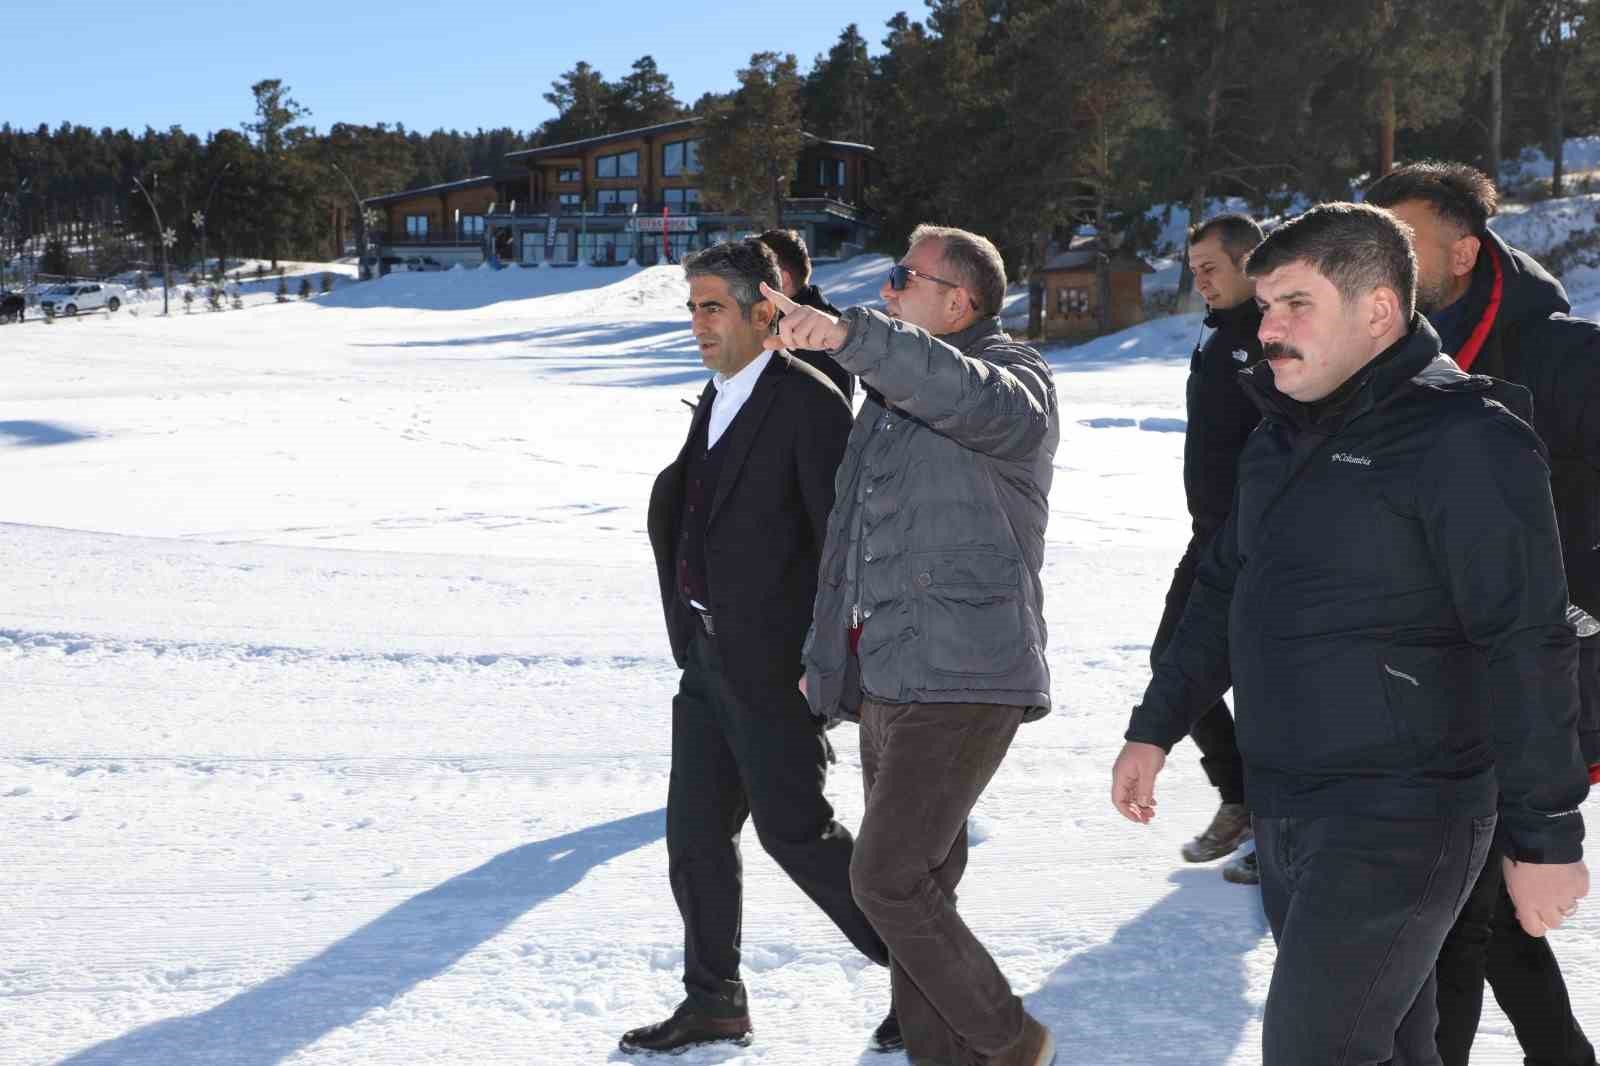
point(1480, 333)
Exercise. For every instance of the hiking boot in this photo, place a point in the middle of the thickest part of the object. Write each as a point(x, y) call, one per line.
point(1229, 829)
point(1242, 869)
point(1036, 1047)
point(687, 1028)
point(886, 1037)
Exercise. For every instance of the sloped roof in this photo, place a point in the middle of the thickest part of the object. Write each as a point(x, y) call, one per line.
point(621, 135)
point(1082, 252)
point(444, 186)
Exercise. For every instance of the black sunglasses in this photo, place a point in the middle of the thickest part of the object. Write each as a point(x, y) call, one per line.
point(900, 276)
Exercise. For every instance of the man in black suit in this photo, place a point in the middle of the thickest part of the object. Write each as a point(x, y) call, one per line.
point(737, 523)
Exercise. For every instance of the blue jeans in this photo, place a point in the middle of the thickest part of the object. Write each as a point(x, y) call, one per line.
point(1359, 908)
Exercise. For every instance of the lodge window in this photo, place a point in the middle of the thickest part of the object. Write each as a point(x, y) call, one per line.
point(568, 200)
point(830, 173)
point(615, 201)
point(417, 227)
point(472, 225)
point(681, 199)
point(679, 158)
point(603, 249)
point(622, 165)
point(1072, 301)
point(572, 174)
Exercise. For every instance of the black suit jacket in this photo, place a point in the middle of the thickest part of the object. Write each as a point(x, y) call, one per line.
point(766, 526)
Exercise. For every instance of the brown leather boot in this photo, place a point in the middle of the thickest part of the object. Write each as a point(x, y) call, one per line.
point(1036, 1047)
point(685, 1029)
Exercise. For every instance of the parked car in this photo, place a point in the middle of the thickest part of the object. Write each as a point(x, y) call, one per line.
point(13, 306)
point(386, 265)
point(423, 262)
point(78, 296)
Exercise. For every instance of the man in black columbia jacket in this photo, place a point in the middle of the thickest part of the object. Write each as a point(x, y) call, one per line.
point(1219, 420)
point(1388, 603)
point(1498, 312)
point(794, 265)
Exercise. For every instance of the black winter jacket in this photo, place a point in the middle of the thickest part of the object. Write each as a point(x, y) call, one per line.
point(843, 380)
point(1387, 601)
point(1220, 415)
point(1532, 341)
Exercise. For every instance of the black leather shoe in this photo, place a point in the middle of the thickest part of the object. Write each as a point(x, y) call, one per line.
point(688, 1028)
point(886, 1037)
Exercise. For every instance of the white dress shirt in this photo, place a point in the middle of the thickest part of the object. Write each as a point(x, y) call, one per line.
point(731, 395)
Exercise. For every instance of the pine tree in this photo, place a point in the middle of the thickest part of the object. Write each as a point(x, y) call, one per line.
point(284, 182)
point(753, 140)
point(642, 98)
point(837, 96)
point(581, 95)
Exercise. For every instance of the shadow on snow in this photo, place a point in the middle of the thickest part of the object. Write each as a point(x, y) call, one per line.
point(369, 969)
point(38, 434)
point(1177, 968)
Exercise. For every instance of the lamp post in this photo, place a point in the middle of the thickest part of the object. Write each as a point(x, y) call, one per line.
point(200, 216)
point(8, 209)
point(363, 219)
point(168, 239)
point(11, 219)
point(199, 220)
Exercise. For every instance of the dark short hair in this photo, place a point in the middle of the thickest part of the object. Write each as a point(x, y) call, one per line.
point(744, 265)
point(1357, 247)
point(790, 248)
point(1458, 193)
point(1237, 232)
point(973, 259)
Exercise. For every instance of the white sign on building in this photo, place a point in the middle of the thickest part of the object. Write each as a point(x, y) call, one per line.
point(655, 223)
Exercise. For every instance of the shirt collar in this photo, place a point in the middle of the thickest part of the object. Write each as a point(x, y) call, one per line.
point(745, 380)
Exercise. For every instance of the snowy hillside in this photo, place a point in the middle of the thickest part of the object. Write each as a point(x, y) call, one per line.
point(338, 702)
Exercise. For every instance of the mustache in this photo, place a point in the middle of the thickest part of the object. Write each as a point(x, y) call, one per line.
point(1279, 350)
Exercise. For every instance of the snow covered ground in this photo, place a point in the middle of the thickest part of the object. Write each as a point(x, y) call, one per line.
point(337, 701)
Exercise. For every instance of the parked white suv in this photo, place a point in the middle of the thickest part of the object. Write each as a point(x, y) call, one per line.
point(71, 298)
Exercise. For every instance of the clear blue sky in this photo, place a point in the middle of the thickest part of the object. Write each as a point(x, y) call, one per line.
point(428, 65)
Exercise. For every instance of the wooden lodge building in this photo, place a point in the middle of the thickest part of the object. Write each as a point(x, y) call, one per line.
point(1084, 276)
point(608, 199)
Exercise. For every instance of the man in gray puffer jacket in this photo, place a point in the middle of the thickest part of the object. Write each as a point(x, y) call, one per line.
point(929, 625)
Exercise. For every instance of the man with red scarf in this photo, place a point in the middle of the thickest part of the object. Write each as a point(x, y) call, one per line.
point(1498, 312)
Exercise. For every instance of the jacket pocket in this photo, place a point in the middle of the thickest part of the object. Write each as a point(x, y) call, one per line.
point(969, 611)
point(1433, 695)
point(1304, 706)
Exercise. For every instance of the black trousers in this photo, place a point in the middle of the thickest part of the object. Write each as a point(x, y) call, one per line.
point(1489, 942)
point(733, 759)
point(1213, 733)
point(924, 765)
point(1360, 908)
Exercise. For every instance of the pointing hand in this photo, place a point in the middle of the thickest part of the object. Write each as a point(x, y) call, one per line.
point(804, 327)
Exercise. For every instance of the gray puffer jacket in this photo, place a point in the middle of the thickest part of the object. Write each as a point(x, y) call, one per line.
point(936, 537)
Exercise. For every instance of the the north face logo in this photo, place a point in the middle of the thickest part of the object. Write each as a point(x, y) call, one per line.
point(1241, 355)
point(1355, 460)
